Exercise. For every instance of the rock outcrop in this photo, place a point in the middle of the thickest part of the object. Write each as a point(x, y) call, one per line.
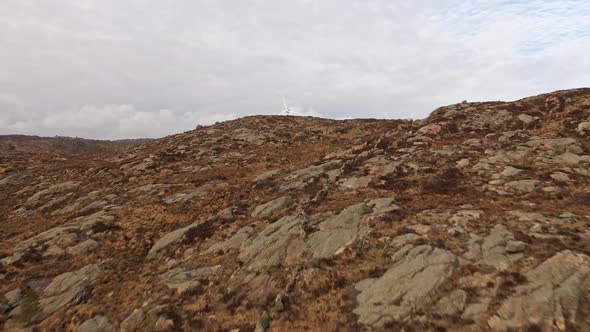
point(408, 286)
point(555, 297)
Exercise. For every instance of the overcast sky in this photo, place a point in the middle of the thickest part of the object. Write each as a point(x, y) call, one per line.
point(122, 69)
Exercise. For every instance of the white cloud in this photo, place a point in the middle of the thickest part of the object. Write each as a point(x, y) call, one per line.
point(112, 122)
point(207, 59)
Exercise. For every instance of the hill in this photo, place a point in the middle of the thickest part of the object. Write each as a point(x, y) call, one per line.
point(475, 218)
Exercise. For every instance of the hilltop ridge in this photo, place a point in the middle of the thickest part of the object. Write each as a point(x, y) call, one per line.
point(474, 218)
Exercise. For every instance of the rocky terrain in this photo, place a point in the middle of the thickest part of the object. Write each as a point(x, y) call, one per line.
point(476, 218)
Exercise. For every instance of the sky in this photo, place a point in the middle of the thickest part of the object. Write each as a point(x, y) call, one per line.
point(112, 69)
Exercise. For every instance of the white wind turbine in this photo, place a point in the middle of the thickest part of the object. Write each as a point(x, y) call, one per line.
point(286, 110)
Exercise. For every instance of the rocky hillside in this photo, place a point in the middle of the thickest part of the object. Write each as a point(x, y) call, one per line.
point(26, 147)
point(475, 218)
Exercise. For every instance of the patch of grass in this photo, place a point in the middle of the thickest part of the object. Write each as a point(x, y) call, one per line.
point(101, 227)
point(201, 232)
point(30, 307)
point(510, 280)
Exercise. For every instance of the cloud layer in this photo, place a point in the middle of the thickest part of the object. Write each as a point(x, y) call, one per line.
point(118, 69)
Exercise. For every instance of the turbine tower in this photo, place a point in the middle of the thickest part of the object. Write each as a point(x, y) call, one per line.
point(286, 110)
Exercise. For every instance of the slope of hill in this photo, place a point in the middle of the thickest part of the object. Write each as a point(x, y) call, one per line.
point(475, 218)
point(59, 146)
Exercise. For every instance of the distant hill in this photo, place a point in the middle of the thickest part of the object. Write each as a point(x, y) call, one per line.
point(66, 145)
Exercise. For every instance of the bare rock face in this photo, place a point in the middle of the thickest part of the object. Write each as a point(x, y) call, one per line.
point(286, 240)
point(68, 289)
point(272, 206)
point(301, 178)
point(408, 286)
point(38, 197)
point(280, 242)
point(96, 324)
point(497, 250)
point(555, 298)
point(155, 319)
point(172, 237)
point(183, 280)
point(233, 242)
point(184, 197)
point(83, 248)
point(339, 231)
point(522, 186)
point(267, 175)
